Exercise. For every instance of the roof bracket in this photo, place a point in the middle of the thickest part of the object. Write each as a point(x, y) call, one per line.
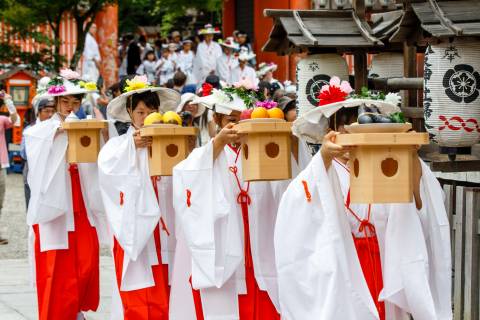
point(444, 20)
point(306, 33)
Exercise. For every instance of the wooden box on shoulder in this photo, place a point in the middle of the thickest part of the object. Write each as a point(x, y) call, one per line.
point(170, 146)
point(83, 140)
point(381, 165)
point(266, 152)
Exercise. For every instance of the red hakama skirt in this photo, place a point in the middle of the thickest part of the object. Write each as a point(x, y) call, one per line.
point(68, 279)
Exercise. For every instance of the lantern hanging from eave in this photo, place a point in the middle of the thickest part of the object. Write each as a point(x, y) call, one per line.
point(452, 94)
point(313, 72)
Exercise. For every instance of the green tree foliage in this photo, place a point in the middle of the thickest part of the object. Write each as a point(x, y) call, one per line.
point(25, 15)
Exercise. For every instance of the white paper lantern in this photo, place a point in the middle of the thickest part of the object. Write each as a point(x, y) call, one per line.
point(312, 73)
point(387, 65)
point(452, 92)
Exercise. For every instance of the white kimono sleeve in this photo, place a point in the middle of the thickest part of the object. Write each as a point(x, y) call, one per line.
point(47, 175)
point(127, 192)
point(319, 276)
point(200, 204)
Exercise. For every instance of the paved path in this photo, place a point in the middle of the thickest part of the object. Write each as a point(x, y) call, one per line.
point(17, 295)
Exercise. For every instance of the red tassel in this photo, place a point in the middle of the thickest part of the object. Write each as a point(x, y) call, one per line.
point(121, 198)
point(307, 193)
point(189, 194)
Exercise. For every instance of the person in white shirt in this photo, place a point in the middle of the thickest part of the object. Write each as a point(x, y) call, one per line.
point(148, 66)
point(228, 61)
point(173, 56)
point(265, 73)
point(91, 56)
point(208, 52)
point(185, 60)
point(243, 72)
point(165, 68)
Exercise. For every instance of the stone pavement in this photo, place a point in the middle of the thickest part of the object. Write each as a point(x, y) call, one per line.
point(17, 295)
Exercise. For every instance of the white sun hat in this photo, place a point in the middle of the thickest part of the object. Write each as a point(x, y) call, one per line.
point(68, 83)
point(264, 67)
point(221, 102)
point(209, 29)
point(313, 125)
point(229, 42)
point(190, 98)
point(117, 108)
point(246, 55)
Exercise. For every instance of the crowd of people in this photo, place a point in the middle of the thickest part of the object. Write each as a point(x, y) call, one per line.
point(203, 243)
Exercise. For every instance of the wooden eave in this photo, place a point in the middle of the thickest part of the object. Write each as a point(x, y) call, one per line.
point(449, 18)
point(317, 30)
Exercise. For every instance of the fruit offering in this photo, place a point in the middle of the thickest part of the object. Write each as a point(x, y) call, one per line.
point(263, 110)
point(153, 118)
point(171, 117)
point(371, 114)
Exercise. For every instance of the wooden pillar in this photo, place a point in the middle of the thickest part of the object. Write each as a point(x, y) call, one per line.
point(107, 35)
point(360, 70)
point(228, 17)
point(410, 71)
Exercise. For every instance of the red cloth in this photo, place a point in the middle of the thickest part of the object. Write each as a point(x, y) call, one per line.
point(256, 304)
point(369, 255)
point(68, 279)
point(147, 303)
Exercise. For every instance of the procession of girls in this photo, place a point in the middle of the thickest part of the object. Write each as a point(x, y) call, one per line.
point(203, 243)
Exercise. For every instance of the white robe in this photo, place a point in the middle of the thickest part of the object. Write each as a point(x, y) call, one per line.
point(132, 209)
point(185, 64)
point(91, 53)
point(165, 70)
point(248, 73)
point(225, 66)
point(51, 204)
point(317, 260)
point(206, 60)
point(212, 229)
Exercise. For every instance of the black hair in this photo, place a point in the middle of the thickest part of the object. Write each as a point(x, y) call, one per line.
point(76, 96)
point(142, 38)
point(169, 84)
point(149, 52)
point(151, 100)
point(291, 105)
point(213, 80)
point(262, 85)
point(342, 117)
point(179, 78)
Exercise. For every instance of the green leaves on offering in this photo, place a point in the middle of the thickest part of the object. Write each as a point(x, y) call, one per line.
point(397, 117)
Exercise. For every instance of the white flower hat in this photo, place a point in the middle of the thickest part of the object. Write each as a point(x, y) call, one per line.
point(117, 110)
point(264, 67)
point(229, 43)
point(313, 125)
point(222, 102)
point(246, 55)
point(190, 98)
point(209, 29)
point(67, 83)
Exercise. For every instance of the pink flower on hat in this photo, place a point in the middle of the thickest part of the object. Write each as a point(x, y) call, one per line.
point(245, 83)
point(69, 74)
point(56, 89)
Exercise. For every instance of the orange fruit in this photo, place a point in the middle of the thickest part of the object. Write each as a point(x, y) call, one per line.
point(260, 112)
point(276, 113)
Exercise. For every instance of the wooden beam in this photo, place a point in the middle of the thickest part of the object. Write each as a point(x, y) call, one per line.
point(360, 69)
point(456, 166)
point(359, 8)
point(306, 33)
point(443, 18)
point(398, 83)
point(413, 112)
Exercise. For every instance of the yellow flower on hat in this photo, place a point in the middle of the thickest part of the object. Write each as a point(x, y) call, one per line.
point(81, 84)
point(91, 86)
point(138, 82)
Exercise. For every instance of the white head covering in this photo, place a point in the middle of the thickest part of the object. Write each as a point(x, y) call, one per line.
point(246, 55)
point(117, 110)
point(68, 83)
point(189, 98)
point(313, 125)
point(229, 42)
point(209, 29)
point(264, 67)
point(222, 103)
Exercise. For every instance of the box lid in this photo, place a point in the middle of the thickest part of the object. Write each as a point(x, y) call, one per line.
point(167, 130)
point(84, 124)
point(264, 126)
point(382, 139)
